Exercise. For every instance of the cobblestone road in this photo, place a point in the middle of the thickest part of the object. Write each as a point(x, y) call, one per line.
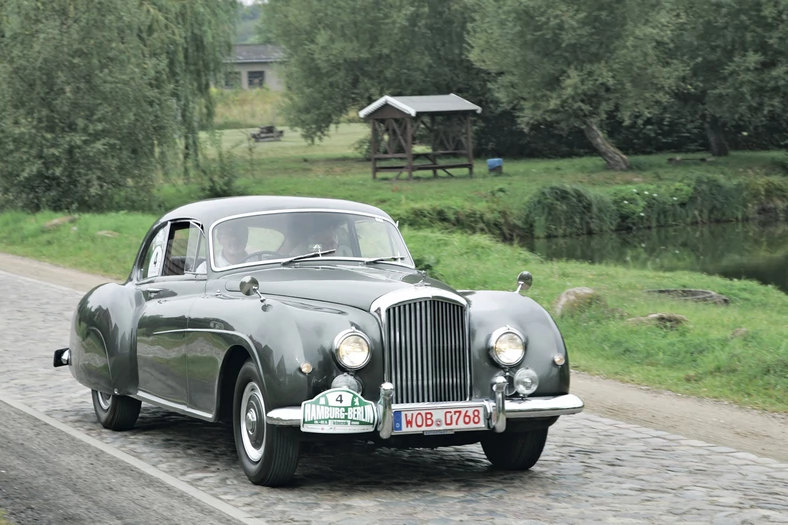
point(593, 470)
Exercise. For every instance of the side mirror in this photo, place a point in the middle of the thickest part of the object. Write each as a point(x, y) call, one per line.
point(249, 286)
point(524, 281)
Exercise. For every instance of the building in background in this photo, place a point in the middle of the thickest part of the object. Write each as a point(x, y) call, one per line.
point(254, 66)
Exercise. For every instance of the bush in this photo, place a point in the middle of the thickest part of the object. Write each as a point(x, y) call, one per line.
point(561, 211)
point(220, 174)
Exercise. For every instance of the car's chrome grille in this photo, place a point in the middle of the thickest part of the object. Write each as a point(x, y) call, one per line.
point(427, 351)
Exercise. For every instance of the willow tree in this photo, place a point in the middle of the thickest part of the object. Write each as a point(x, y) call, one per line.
point(738, 56)
point(343, 54)
point(573, 64)
point(93, 95)
point(189, 40)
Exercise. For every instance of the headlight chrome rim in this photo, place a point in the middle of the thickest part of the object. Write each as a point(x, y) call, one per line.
point(526, 381)
point(341, 338)
point(493, 342)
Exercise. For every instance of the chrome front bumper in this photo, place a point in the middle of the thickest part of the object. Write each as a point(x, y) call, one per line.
point(499, 409)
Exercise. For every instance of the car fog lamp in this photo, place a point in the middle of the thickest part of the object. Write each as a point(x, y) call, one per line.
point(352, 349)
point(306, 367)
point(526, 381)
point(347, 381)
point(508, 347)
point(559, 360)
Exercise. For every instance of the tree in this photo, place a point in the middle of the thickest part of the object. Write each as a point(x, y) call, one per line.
point(738, 56)
point(574, 64)
point(94, 95)
point(343, 54)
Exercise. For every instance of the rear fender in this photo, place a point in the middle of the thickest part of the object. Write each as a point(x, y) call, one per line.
point(102, 337)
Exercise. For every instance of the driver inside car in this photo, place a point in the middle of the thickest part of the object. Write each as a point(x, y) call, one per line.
point(232, 237)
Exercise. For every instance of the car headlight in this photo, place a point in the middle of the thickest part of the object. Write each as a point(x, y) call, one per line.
point(352, 349)
point(507, 346)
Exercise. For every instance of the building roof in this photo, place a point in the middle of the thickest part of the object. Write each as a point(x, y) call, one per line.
point(423, 104)
point(256, 53)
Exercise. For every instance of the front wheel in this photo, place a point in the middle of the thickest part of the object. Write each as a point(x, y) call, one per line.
point(268, 456)
point(115, 412)
point(515, 451)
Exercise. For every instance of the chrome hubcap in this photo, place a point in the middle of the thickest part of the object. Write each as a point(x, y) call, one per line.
point(104, 400)
point(252, 422)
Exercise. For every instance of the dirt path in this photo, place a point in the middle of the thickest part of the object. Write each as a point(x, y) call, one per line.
point(761, 433)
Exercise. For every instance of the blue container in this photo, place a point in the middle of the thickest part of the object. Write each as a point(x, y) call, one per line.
point(495, 165)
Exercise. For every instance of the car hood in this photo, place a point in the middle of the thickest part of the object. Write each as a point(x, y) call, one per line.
point(348, 285)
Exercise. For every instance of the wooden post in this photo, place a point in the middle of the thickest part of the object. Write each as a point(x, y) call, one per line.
point(373, 148)
point(409, 147)
point(469, 144)
point(433, 158)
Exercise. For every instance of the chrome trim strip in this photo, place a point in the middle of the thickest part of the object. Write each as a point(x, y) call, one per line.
point(296, 210)
point(284, 417)
point(175, 407)
point(404, 295)
point(544, 406)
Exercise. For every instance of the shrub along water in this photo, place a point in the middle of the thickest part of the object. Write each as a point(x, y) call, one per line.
point(561, 210)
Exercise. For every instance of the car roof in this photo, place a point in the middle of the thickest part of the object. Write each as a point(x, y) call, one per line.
point(209, 211)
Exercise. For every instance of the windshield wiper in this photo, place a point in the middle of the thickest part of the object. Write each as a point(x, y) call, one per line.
point(307, 256)
point(384, 259)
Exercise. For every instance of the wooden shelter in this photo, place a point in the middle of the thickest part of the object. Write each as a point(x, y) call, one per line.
point(441, 122)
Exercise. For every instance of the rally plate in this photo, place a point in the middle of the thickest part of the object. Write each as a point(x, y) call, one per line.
point(440, 420)
point(338, 411)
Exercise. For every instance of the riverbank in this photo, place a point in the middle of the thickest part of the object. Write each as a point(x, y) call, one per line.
point(707, 357)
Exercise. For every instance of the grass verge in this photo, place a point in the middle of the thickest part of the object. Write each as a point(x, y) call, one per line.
point(701, 358)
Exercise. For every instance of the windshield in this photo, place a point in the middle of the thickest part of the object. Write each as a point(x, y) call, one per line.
point(279, 237)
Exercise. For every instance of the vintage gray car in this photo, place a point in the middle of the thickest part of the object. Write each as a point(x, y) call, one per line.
point(303, 319)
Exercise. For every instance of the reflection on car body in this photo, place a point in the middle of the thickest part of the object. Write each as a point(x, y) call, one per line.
point(302, 319)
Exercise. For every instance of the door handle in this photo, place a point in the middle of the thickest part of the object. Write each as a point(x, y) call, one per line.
point(152, 292)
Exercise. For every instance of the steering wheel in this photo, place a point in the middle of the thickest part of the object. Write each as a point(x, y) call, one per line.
point(260, 253)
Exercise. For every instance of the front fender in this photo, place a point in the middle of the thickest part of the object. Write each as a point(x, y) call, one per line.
point(280, 335)
point(490, 310)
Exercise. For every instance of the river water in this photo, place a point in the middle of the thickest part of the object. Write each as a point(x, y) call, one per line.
point(733, 250)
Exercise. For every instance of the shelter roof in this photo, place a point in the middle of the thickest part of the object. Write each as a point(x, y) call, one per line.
point(423, 104)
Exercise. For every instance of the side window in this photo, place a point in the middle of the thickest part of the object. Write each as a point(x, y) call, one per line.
point(153, 258)
point(185, 249)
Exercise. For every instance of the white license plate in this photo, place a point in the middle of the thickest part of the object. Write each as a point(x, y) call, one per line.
point(439, 420)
